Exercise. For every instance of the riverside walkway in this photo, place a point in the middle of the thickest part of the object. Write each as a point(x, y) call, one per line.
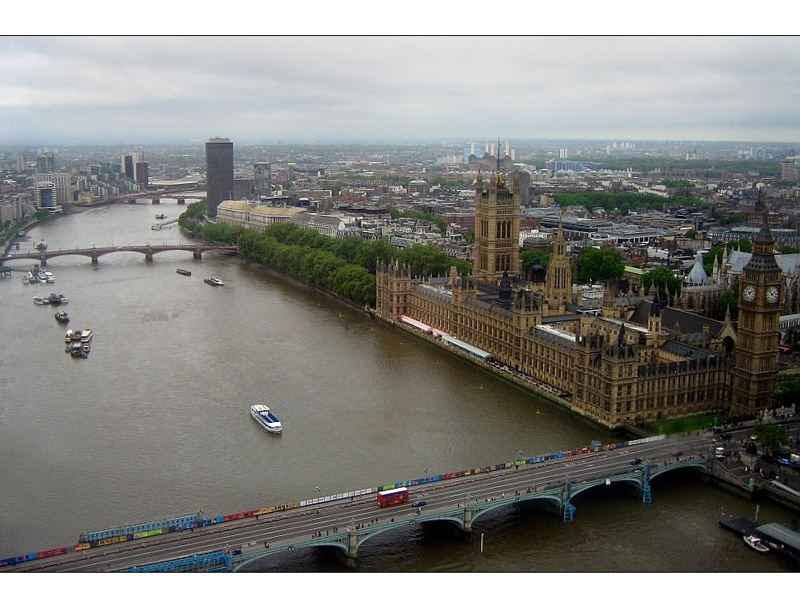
point(347, 521)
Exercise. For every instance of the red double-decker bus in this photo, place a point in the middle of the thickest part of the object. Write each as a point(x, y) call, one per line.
point(392, 497)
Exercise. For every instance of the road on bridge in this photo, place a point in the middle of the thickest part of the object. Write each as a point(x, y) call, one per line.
point(302, 524)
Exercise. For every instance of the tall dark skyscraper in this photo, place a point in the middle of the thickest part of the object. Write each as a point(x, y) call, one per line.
point(219, 172)
point(126, 168)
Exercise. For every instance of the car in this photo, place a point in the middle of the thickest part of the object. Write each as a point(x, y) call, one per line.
point(418, 503)
point(636, 462)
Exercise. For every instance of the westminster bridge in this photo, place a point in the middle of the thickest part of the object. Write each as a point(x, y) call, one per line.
point(94, 253)
point(345, 522)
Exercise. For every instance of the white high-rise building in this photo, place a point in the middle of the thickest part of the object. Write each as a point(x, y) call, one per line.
point(62, 183)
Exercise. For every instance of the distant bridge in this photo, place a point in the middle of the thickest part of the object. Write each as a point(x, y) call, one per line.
point(179, 193)
point(94, 253)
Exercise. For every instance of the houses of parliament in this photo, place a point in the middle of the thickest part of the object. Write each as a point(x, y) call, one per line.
point(638, 360)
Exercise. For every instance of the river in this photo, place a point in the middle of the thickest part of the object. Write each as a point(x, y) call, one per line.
point(154, 423)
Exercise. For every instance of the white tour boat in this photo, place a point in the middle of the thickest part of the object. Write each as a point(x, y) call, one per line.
point(265, 418)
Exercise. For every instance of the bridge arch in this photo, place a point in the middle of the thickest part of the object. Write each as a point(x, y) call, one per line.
point(480, 509)
point(339, 542)
point(700, 464)
point(601, 482)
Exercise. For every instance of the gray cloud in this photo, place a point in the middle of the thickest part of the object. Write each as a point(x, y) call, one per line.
point(159, 89)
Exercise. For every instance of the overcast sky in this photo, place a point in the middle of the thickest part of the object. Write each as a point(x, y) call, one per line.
point(163, 89)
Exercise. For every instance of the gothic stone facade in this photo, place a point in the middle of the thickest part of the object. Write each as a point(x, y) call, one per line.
point(620, 367)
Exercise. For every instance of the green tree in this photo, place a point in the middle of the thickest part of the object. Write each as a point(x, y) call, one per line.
point(191, 219)
point(728, 300)
point(424, 259)
point(536, 257)
point(374, 251)
point(771, 437)
point(665, 281)
point(343, 266)
point(600, 265)
point(787, 390)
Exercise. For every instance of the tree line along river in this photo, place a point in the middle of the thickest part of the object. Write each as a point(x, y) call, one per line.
point(155, 422)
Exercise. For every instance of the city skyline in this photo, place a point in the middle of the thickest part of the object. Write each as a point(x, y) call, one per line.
point(177, 89)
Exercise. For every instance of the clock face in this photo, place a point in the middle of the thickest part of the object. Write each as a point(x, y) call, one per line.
point(772, 294)
point(749, 293)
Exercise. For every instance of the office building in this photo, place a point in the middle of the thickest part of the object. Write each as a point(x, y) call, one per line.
point(126, 166)
point(219, 172)
point(62, 183)
point(46, 197)
point(789, 170)
point(262, 178)
point(46, 162)
point(141, 173)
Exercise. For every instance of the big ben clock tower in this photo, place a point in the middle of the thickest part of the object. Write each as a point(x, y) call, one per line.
point(757, 334)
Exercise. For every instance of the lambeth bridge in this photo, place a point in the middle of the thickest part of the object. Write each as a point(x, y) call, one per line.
point(347, 521)
point(94, 253)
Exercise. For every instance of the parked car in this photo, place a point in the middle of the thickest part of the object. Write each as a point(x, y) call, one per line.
point(418, 503)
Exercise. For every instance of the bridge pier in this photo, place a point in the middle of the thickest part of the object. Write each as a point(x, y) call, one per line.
point(197, 254)
point(647, 496)
point(156, 201)
point(352, 547)
point(148, 254)
point(181, 201)
point(569, 509)
point(467, 518)
point(43, 260)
